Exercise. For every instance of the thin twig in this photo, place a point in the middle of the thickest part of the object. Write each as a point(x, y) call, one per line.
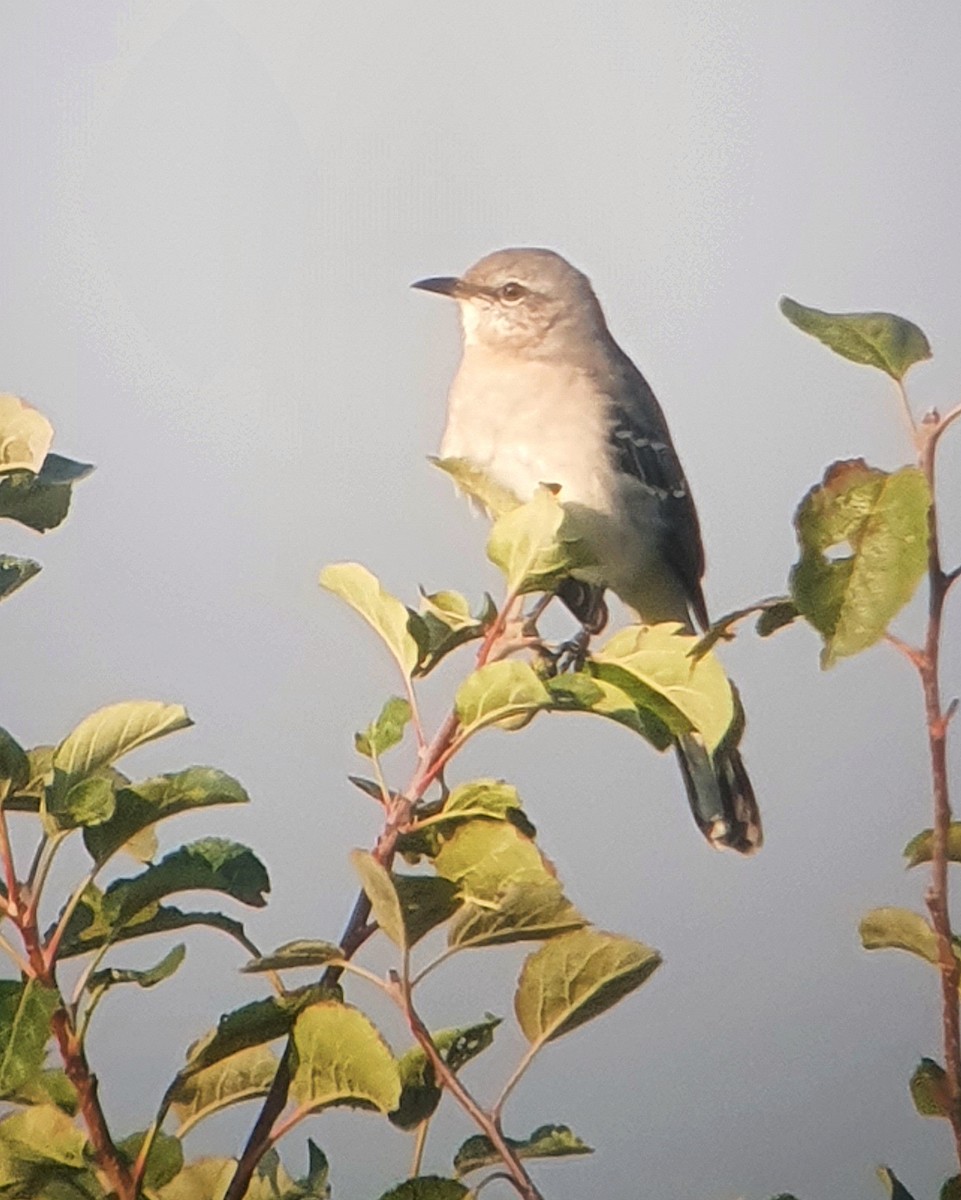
point(483, 1120)
point(937, 894)
point(420, 1141)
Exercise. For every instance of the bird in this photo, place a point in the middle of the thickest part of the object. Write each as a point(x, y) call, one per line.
point(545, 395)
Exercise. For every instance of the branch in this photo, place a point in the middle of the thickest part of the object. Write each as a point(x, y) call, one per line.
point(484, 1121)
point(937, 722)
point(78, 1072)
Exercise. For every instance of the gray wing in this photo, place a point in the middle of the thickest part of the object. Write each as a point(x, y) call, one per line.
point(642, 448)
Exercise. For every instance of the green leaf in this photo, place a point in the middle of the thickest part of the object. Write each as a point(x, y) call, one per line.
point(14, 573)
point(880, 522)
point(522, 912)
point(383, 612)
point(41, 501)
point(25, 1012)
point(211, 864)
point(405, 907)
point(387, 731)
point(491, 798)
point(479, 487)
point(25, 435)
point(38, 1145)
point(874, 339)
point(50, 1086)
point(951, 1189)
point(342, 1059)
point(205, 1179)
point(921, 848)
point(90, 802)
point(484, 858)
point(500, 693)
point(899, 929)
point(654, 665)
point(576, 977)
point(254, 1024)
point(384, 901)
point(315, 1185)
point(577, 691)
point(164, 1162)
point(420, 1094)
point(111, 732)
point(895, 1188)
point(447, 623)
point(929, 1089)
point(140, 805)
point(241, 1076)
point(547, 1141)
point(95, 922)
point(14, 765)
point(427, 1187)
point(537, 544)
point(112, 976)
point(292, 955)
point(778, 616)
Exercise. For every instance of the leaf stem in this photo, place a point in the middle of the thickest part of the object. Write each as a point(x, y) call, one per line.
point(20, 962)
point(526, 1059)
point(906, 413)
point(483, 1120)
point(420, 1141)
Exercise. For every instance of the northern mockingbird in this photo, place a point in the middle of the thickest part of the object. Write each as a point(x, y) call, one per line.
point(544, 394)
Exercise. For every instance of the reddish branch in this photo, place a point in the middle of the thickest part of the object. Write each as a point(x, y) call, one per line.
point(928, 665)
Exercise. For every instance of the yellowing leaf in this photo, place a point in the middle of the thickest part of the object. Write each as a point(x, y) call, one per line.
point(383, 612)
point(498, 692)
point(342, 1059)
point(654, 664)
point(25, 436)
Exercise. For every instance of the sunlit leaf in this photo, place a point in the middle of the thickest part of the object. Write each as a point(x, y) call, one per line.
point(654, 665)
point(387, 731)
point(874, 339)
point(879, 522)
point(405, 907)
point(522, 912)
point(479, 487)
point(342, 1059)
point(38, 1144)
point(491, 798)
point(920, 849)
point(420, 1094)
point(579, 692)
point(537, 544)
point(575, 977)
point(929, 1089)
point(90, 802)
point(241, 1076)
point(205, 1179)
point(899, 929)
point(291, 955)
point(484, 858)
point(50, 1086)
point(138, 806)
point(106, 735)
point(254, 1024)
point(547, 1141)
point(25, 1012)
point(500, 693)
point(14, 573)
point(383, 612)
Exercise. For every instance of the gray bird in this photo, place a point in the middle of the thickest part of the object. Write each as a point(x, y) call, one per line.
point(544, 394)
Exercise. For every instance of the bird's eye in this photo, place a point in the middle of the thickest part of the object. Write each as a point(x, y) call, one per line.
point(512, 292)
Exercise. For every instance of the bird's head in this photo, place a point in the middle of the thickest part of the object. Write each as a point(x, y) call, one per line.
point(522, 301)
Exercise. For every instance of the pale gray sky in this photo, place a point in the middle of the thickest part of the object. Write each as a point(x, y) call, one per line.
point(211, 213)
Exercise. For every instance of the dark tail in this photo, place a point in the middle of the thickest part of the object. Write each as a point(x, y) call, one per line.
point(720, 794)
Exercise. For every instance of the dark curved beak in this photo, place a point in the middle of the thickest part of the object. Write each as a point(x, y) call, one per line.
point(444, 285)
